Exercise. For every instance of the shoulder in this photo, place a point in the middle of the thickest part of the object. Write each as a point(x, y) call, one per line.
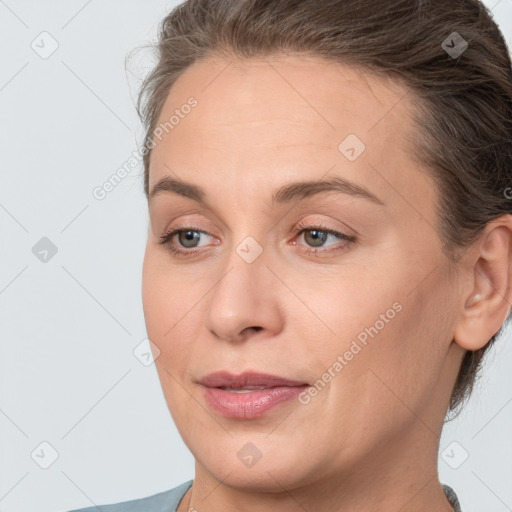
point(166, 501)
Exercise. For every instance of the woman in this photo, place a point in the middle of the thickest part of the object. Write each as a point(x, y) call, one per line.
point(329, 249)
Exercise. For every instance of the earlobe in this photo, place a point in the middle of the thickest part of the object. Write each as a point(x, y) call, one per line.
point(486, 306)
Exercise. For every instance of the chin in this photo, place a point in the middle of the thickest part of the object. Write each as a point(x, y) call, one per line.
point(254, 462)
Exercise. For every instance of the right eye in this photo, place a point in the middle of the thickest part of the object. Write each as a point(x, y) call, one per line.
point(188, 238)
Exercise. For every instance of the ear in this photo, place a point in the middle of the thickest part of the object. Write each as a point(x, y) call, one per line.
point(486, 306)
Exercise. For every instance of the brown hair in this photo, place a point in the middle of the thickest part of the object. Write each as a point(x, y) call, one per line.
point(464, 96)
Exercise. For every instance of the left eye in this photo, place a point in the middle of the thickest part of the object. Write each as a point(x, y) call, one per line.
point(189, 239)
point(316, 236)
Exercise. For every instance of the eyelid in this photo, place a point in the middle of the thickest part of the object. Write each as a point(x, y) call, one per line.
point(338, 227)
point(189, 214)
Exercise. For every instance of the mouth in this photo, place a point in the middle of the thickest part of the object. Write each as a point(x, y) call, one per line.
point(248, 395)
point(247, 389)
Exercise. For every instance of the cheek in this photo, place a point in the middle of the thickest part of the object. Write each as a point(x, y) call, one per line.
point(353, 304)
point(174, 309)
point(166, 294)
point(400, 366)
point(389, 333)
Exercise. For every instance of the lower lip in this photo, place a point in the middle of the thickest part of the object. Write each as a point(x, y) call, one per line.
point(250, 405)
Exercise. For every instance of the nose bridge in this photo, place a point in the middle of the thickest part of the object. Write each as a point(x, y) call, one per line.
point(243, 296)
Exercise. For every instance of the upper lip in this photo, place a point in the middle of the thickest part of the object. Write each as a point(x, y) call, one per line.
point(250, 378)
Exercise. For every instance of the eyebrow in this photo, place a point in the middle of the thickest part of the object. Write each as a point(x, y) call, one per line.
point(287, 193)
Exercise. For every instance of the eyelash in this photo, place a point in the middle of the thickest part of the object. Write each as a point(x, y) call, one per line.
point(301, 227)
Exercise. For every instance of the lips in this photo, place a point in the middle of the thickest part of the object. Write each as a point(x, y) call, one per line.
point(248, 395)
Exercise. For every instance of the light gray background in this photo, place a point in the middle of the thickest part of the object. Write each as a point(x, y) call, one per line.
point(68, 375)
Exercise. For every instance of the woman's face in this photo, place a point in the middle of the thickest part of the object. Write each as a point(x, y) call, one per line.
point(307, 252)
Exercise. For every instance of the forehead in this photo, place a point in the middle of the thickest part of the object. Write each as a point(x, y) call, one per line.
point(329, 95)
point(275, 118)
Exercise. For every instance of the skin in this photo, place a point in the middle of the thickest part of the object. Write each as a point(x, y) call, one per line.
point(369, 440)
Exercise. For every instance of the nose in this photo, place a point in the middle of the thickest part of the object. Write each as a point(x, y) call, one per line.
point(244, 301)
